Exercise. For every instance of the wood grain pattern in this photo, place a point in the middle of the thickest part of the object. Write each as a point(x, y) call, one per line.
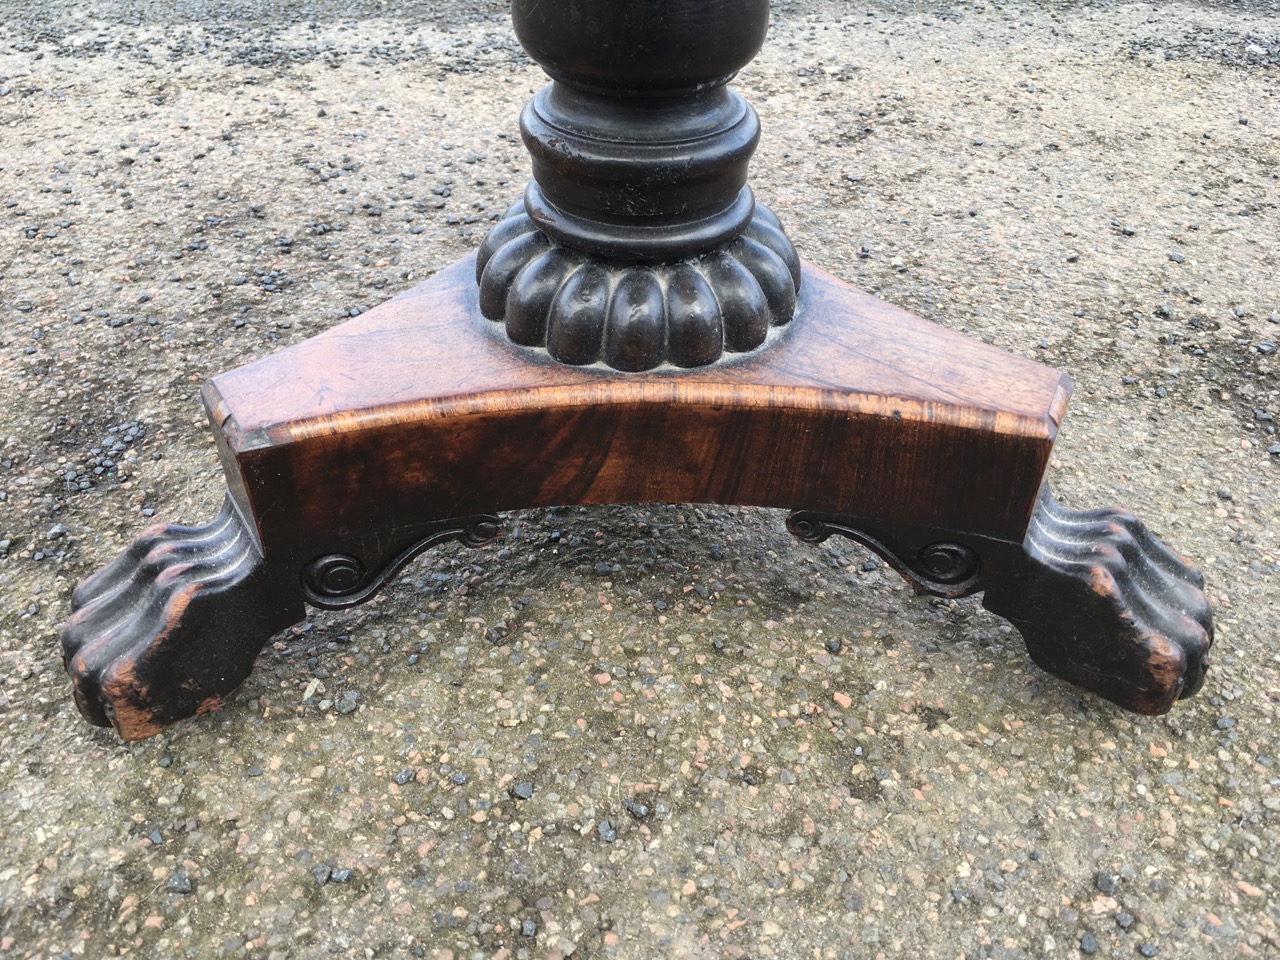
point(350, 453)
point(421, 409)
point(638, 248)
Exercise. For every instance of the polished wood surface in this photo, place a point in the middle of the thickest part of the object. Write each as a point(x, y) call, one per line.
point(351, 453)
point(421, 408)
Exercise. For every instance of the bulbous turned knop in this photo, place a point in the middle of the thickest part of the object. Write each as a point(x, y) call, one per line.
point(641, 45)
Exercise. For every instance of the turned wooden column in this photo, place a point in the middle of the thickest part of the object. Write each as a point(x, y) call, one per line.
point(638, 241)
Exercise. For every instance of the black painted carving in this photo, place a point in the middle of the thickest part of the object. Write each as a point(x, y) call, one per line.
point(1098, 599)
point(639, 149)
point(637, 244)
point(335, 581)
point(173, 625)
point(636, 317)
point(1104, 604)
point(942, 568)
point(638, 241)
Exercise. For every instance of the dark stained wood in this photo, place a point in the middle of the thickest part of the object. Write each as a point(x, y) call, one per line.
point(1103, 604)
point(639, 150)
point(637, 316)
point(350, 453)
point(638, 241)
point(174, 624)
point(1099, 600)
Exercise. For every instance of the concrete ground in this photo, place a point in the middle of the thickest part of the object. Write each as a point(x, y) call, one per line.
point(725, 743)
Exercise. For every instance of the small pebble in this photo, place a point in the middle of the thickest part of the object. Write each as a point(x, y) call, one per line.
point(638, 810)
point(178, 882)
point(347, 703)
point(522, 790)
point(607, 831)
point(322, 873)
point(1088, 944)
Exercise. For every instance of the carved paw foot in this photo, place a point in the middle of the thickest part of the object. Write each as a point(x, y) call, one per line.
point(1098, 599)
point(1105, 605)
point(173, 625)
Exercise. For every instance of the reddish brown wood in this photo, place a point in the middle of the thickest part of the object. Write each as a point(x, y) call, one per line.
point(418, 409)
point(638, 247)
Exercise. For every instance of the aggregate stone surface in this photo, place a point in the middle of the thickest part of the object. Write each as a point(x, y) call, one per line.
point(641, 731)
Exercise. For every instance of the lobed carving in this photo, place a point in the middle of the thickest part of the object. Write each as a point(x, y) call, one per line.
point(631, 317)
point(172, 625)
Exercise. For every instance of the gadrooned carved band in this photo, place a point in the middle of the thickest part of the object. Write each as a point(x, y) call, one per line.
point(335, 581)
point(634, 317)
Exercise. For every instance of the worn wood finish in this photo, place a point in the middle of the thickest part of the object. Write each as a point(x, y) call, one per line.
point(1102, 603)
point(638, 241)
point(1099, 600)
point(859, 407)
point(173, 625)
point(637, 330)
point(350, 453)
point(637, 316)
